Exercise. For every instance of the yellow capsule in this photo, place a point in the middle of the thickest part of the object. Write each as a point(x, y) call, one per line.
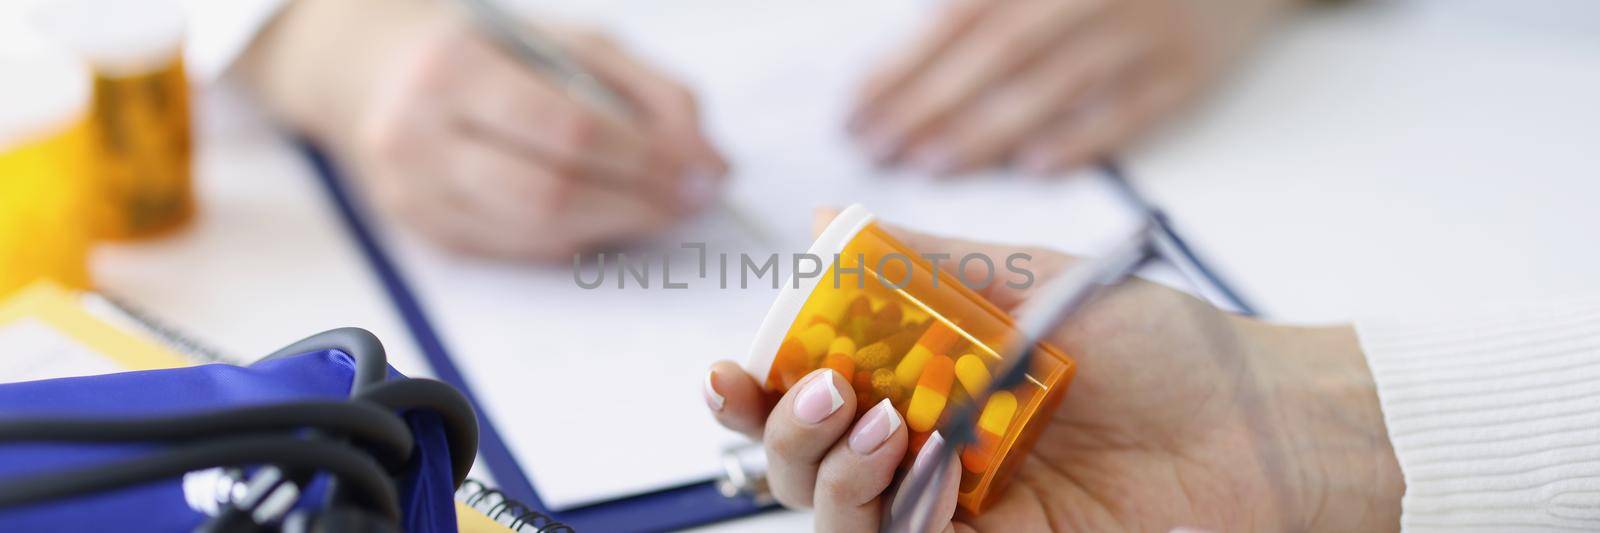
point(910, 367)
point(931, 394)
point(992, 426)
point(816, 339)
point(938, 340)
point(829, 306)
point(973, 374)
point(843, 346)
point(997, 413)
point(858, 328)
point(913, 317)
point(860, 306)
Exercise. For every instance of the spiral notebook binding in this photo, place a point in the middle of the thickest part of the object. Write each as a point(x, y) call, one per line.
point(126, 313)
point(513, 514)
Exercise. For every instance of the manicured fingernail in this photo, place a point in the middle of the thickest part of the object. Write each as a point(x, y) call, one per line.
point(930, 449)
point(699, 188)
point(875, 428)
point(934, 159)
point(714, 399)
point(818, 398)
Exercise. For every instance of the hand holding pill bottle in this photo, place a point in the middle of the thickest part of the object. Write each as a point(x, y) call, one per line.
point(896, 328)
point(1178, 414)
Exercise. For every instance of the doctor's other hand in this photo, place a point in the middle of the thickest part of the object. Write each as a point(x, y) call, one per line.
point(1180, 415)
point(1044, 85)
point(473, 148)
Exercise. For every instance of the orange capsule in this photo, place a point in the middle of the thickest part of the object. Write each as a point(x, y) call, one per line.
point(880, 328)
point(993, 423)
point(914, 447)
point(891, 314)
point(842, 364)
point(791, 364)
point(900, 342)
point(976, 457)
point(938, 340)
point(931, 394)
point(860, 306)
point(862, 383)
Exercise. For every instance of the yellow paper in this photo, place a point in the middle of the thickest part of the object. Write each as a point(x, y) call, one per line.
point(62, 311)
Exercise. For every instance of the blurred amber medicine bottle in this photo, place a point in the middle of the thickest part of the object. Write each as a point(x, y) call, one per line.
point(139, 118)
point(899, 329)
point(44, 150)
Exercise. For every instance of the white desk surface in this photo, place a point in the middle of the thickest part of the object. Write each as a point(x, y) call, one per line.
point(267, 260)
point(1374, 158)
point(1390, 157)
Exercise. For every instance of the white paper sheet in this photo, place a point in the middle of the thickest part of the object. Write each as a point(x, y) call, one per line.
point(596, 391)
point(32, 350)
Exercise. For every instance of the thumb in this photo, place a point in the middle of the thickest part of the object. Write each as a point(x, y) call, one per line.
point(1012, 271)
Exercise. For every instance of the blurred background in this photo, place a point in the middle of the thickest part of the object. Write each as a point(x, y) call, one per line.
point(1334, 159)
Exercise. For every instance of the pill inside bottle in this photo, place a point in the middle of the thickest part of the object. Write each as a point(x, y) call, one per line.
point(896, 328)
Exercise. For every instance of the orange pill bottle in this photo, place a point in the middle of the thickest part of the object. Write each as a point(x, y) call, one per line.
point(907, 321)
point(45, 223)
point(139, 119)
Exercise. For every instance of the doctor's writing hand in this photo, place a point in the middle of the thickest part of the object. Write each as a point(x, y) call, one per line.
point(1180, 415)
point(474, 148)
point(1045, 85)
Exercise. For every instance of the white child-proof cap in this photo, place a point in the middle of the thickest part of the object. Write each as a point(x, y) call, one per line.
point(45, 90)
point(116, 37)
point(844, 228)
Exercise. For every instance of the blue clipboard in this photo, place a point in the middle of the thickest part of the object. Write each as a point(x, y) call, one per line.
point(666, 509)
point(675, 507)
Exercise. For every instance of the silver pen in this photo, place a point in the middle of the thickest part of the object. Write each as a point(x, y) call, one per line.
point(1049, 307)
point(540, 52)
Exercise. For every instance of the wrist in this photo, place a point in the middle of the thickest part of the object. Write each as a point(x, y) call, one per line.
point(1343, 474)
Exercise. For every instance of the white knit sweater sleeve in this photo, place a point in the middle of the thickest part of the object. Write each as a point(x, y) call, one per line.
point(1495, 417)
